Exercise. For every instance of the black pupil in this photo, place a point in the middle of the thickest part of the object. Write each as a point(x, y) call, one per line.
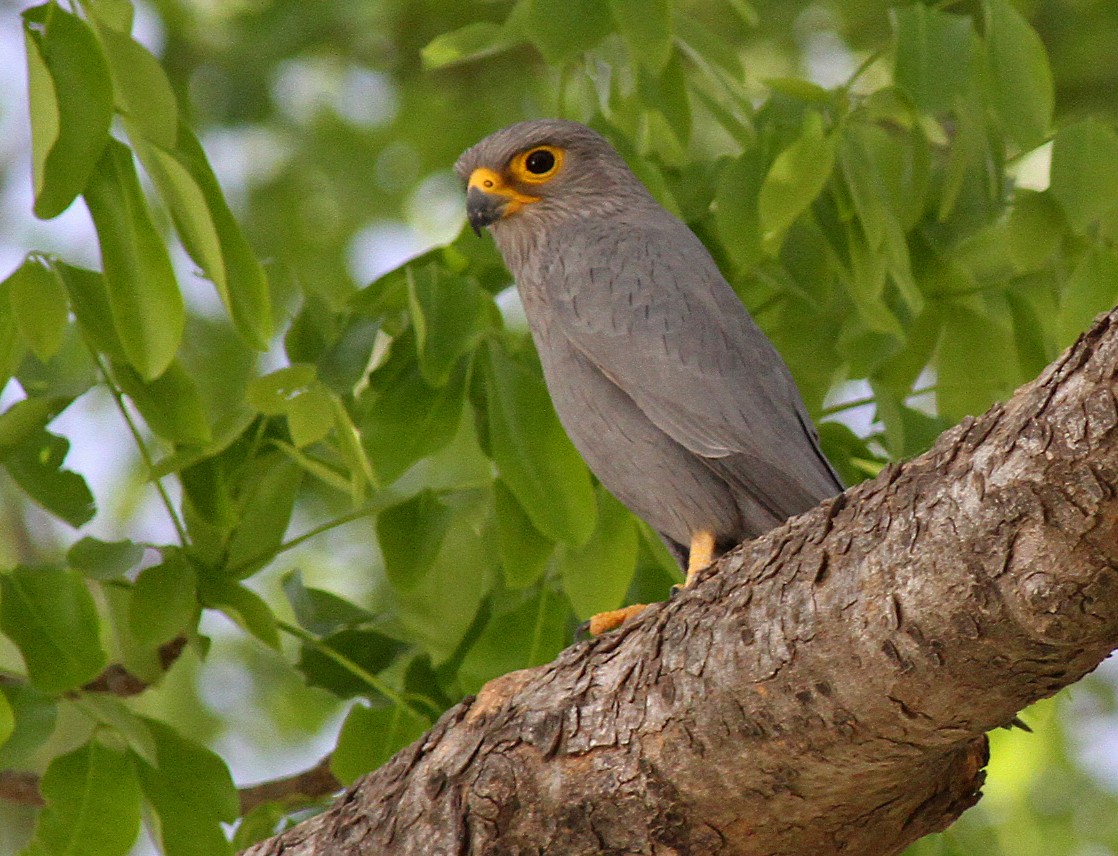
point(540, 161)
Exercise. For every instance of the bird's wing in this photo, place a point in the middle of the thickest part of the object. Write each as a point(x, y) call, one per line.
point(648, 306)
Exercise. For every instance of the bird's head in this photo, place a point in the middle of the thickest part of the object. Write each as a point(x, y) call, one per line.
point(544, 172)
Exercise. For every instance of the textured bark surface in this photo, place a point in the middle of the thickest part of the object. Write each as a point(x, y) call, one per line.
point(823, 689)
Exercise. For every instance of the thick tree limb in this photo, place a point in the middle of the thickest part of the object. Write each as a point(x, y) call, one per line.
point(824, 689)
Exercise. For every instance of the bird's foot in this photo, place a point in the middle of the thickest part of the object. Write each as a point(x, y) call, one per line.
point(604, 622)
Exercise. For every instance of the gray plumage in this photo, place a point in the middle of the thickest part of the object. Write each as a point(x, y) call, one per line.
point(676, 399)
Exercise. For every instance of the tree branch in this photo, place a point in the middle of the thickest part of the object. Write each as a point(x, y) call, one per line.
point(23, 788)
point(823, 689)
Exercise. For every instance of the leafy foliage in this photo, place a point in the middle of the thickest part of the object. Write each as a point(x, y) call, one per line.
point(876, 227)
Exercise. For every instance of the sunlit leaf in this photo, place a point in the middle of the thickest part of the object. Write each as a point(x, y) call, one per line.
point(1092, 288)
point(318, 610)
point(93, 803)
point(144, 298)
point(141, 89)
point(530, 631)
point(36, 464)
point(473, 41)
point(1085, 171)
point(104, 560)
point(935, 55)
point(164, 602)
point(39, 306)
point(562, 29)
point(370, 736)
point(795, 179)
point(245, 607)
point(647, 30)
point(1020, 81)
point(192, 794)
point(71, 105)
point(365, 648)
point(524, 551)
point(51, 617)
point(597, 575)
point(411, 535)
point(35, 715)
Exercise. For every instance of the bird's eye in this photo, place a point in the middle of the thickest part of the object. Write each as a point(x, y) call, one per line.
point(537, 165)
point(539, 162)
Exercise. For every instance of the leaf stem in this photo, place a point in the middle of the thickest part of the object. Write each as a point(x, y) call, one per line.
point(341, 520)
point(145, 456)
point(353, 668)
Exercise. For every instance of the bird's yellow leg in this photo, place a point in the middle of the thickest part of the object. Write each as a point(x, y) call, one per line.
point(603, 622)
point(700, 555)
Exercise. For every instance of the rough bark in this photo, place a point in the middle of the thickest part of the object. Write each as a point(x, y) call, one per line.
point(823, 689)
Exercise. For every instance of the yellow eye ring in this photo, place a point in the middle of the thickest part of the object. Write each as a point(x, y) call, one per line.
point(537, 164)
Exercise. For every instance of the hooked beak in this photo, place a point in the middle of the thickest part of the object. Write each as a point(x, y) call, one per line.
point(490, 198)
point(483, 209)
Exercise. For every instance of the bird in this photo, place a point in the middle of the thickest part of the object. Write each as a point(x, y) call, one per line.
point(678, 402)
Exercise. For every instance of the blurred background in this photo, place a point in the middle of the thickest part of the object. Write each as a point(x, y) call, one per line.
point(333, 136)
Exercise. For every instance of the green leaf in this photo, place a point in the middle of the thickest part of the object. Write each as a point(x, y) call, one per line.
point(439, 611)
point(736, 214)
point(597, 575)
point(1092, 288)
point(12, 346)
point(35, 716)
point(7, 720)
point(321, 611)
point(562, 29)
point(192, 794)
point(113, 713)
point(71, 105)
point(473, 41)
point(36, 465)
point(667, 91)
point(93, 803)
point(141, 90)
point(171, 404)
point(524, 551)
point(1020, 81)
point(104, 560)
point(976, 364)
point(296, 393)
point(39, 306)
point(89, 298)
point(536, 460)
point(705, 47)
point(26, 419)
point(410, 535)
point(144, 298)
point(646, 28)
point(117, 14)
point(244, 607)
point(164, 602)
point(51, 617)
point(369, 649)
point(199, 777)
point(1034, 230)
point(449, 315)
point(403, 418)
point(796, 178)
point(531, 630)
point(210, 233)
point(1085, 172)
point(934, 58)
point(370, 736)
point(267, 497)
